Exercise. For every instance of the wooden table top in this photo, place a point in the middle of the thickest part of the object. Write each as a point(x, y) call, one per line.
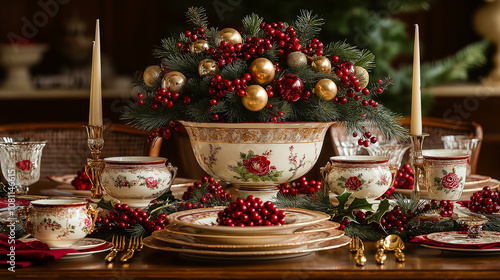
point(421, 263)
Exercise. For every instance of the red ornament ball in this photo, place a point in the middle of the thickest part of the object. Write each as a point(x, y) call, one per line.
point(290, 88)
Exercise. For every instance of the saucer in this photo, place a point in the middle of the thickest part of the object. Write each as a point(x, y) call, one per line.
point(82, 244)
point(106, 246)
point(460, 238)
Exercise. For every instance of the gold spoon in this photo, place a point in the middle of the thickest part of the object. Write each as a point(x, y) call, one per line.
point(393, 242)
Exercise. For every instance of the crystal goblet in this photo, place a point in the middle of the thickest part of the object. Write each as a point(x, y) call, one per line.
point(465, 143)
point(20, 162)
point(393, 150)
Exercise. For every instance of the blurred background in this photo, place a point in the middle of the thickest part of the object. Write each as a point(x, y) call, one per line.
point(457, 40)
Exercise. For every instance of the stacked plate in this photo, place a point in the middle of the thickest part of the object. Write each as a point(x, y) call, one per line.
point(195, 234)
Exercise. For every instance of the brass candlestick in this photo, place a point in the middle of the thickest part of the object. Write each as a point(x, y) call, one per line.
point(417, 162)
point(95, 164)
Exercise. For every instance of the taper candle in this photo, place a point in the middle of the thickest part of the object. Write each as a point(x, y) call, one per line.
point(416, 104)
point(95, 111)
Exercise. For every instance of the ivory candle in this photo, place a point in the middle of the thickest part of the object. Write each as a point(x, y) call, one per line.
point(95, 111)
point(416, 104)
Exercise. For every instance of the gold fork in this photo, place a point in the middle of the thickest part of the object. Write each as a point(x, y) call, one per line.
point(133, 245)
point(119, 242)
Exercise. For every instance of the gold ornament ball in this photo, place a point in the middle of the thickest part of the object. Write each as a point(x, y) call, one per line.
point(208, 67)
point(174, 81)
point(151, 75)
point(296, 59)
point(362, 76)
point(230, 35)
point(321, 64)
point(325, 89)
point(199, 46)
point(255, 98)
point(262, 71)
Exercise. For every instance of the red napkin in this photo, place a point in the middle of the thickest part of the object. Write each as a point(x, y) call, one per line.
point(4, 203)
point(422, 239)
point(27, 253)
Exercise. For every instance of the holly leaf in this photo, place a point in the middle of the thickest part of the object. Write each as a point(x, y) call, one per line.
point(105, 204)
point(383, 208)
point(357, 204)
point(343, 198)
point(166, 196)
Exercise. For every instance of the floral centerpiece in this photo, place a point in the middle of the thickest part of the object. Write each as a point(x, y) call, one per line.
point(262, 72)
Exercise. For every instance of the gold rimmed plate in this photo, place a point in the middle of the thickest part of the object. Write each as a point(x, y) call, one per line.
point(301, 240)
point(154, 243)
point(205, 220)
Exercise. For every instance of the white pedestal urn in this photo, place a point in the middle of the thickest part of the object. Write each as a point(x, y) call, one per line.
point(256, 157)
point(17, 60)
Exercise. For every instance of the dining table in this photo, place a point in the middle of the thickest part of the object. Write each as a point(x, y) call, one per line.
point(339, 263)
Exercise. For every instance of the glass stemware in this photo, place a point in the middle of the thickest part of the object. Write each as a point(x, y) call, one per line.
point(462, 142)
point(392, 150)
point(345, 144)
point(20, 162)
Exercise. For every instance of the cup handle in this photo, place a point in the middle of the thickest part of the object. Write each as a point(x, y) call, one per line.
point(324, 172)
point(394, 170)
point(423, 178)
point(92, 211)
point(25, 211)
point(173, 170)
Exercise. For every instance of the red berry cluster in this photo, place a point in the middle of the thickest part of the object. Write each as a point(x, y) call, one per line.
point(81, 181)
point(125, 217)
point(165, 131)
point(446, 207)
point(204, 194)
point(286, 40)
point(405, 177)
point(250, 212)
point(346, 72)
point(165, 98)
point(192, 36)
point(300, 186)
point(366, 138)
point(486, 201)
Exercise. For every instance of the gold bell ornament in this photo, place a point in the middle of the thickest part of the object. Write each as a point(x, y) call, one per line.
point(296, 59)
point(151, 75)
point(362, 76)
point(230, 35)
point(208, 67)
point(321, 64)
point(255, 98)
point(199, 46)
point(325, 89)
point(174, 81)
point(262, 71)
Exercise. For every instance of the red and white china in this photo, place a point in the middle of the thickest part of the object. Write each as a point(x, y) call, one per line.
point(363, 176)
point(59, 222)
point(137, 180)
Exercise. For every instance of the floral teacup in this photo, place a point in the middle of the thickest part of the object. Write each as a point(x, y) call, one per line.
point(59, 222)
point(444, 173)
point(137, 180)
point(363, 176)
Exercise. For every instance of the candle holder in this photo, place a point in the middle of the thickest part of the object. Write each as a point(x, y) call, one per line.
point(95, 164)
point(417, 162)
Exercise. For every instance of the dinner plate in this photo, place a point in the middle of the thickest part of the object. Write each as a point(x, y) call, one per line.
point(154, 243)
point(260, 239)
point(205, 219)
point(463, 250)
point(474, 179)
point(301, 240)
point(460, 238)
point(469, 189)
point(88, 252)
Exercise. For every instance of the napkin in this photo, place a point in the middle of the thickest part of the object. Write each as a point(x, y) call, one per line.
point(422, 239)
point(27, 253)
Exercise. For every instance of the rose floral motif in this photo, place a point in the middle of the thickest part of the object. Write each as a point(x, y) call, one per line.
point(450, 181)
point(121, 182)
point(258, 165)
point(24, 165)
point(353, 183)
point(151, 182)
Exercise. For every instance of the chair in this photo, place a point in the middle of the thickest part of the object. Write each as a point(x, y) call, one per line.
point(66, 150)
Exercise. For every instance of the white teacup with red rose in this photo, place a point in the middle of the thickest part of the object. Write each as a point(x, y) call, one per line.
point(59, 223)
point(444, 173)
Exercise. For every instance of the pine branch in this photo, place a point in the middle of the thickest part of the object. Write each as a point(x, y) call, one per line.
point(343, 50)
point(212, 33)
point(168, 46)
point(308, 26)
point(187, 64)
point(251, 25)
point(197, 17)
point(366, 60)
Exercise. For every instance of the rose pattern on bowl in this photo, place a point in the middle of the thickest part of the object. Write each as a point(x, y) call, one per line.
point(255, 167)
point(353, 183)
point(449, 182)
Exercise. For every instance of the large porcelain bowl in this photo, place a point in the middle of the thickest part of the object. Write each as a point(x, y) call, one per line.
point(137, 180)
point(256, 156)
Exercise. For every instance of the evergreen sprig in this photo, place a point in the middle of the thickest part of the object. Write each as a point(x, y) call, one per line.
point(197, 17)
point(251, 25)
point(308, 25)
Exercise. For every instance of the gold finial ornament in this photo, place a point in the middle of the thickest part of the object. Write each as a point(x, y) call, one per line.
point(230, 35)
point(208, 67)
point(262, 71)
point(255, 98)
point(325, 89)
point(151, 75)
point(362, 76)
point(321, 64)
point(174, 81)
point(199, 46)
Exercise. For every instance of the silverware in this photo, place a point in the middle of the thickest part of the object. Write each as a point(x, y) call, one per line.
point(119, 242)
point(133, 245)
point(359, 257)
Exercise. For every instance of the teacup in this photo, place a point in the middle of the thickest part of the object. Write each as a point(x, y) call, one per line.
point(136, 180)
point(363, 176)
point(444, 173)
point(59, 223)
